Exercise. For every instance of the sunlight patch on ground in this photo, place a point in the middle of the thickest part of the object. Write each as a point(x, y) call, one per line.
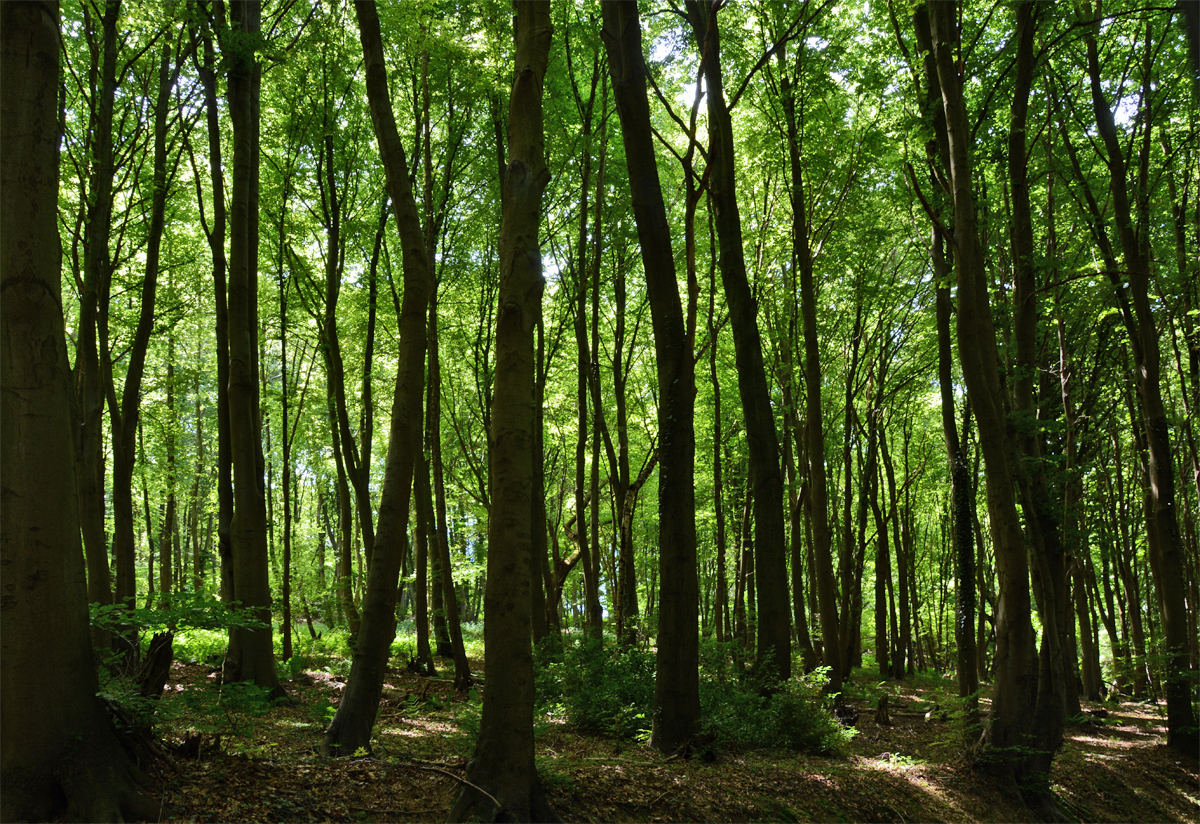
point(419, 729)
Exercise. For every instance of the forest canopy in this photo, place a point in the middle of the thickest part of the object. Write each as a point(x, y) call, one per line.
point(848, 334)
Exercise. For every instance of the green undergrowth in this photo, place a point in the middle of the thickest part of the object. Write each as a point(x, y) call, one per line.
point(608, 689)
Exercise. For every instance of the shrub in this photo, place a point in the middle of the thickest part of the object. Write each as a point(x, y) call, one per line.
point(599, 689)
point(742, 713)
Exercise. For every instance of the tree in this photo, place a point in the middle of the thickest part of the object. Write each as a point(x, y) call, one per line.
point(774, 651)
point(502, 765)
point(1164, 539)
point(60, 754)
point(676, 683)
point(351, 727)
point(1010, 725)
point(250, 656)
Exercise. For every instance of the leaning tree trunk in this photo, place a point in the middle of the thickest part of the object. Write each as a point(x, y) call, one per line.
point(351, 727)
point(60, 755)
point(250, 656)
point(774, 649)
point(1016, 677)
point(504, 780)
point(1165, 544)
point(676, 690)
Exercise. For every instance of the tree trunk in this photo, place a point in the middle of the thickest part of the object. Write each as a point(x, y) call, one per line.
point(250, 656)
point(60, 755)
point(721, 603)
point(424, 655)
point(814, 429)
point(351, 727)
point(1016, 678)
point(774, 652)
point(676, 691)
point(215, 233)
point(124, 416)
point(441, 535)
point(89, 390)
point(1164, 542)
point(502, 764)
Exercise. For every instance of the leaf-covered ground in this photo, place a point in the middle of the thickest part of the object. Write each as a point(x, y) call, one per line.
point(266, 767)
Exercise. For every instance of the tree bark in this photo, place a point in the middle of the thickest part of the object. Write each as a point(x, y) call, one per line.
point(89, 390)
point(814, 427)
point(215, 233)
point(502, 764)
point(60, 756)
point(774, 652)
point(250, 656)
point(441, 533)
point(351, 727)
point(676, 690)
point(1165, 544)
point(1016, 677)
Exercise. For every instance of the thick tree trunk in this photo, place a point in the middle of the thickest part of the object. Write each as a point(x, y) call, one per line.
point(250, 656)
point(503, 764)
point(351, 727)
point(60, 756)
point(774, 651)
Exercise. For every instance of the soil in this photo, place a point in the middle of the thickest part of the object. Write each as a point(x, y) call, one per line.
point(266, 767)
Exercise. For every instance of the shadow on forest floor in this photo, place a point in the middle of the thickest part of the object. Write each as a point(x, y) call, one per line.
point(267, 768)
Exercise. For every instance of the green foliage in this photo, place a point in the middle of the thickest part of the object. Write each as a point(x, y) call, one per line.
point(175, 611)
point(598, 689)
point(229, 710)
point(468, 716)
point(795, 715)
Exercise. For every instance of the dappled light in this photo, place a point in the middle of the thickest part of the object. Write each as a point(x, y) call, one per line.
point(600, 410)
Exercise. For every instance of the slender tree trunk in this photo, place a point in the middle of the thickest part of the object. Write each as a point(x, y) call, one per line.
point(721, 605)
point(351, 727)
point(544, 621)
point(283, 285)
point(1016, 678)
point(814, 430)
point(774, 653)
point(424, 658)
point(503, 764)
point(215, 233)
point(124, 416)
point(1165, 544)
point(441, 535)
point(89, 390)
point(676, 695)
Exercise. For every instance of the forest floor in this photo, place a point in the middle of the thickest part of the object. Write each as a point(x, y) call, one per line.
point(266, 766)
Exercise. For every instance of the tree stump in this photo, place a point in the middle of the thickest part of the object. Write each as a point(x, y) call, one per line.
point(152, 679)
point(881, 713)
